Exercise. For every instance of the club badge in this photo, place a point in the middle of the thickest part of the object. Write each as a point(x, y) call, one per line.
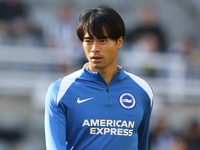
point(127, 100)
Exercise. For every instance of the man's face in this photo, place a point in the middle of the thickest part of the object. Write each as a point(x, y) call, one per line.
point(101, 53)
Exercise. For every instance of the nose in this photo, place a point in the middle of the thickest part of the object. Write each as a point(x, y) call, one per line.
point(95, 47)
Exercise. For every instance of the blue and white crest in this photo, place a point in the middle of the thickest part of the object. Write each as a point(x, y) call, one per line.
point(127, 100)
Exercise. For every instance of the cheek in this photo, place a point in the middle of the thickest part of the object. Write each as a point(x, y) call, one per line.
point(114, 54)
point(114, 51)
point(86, 50)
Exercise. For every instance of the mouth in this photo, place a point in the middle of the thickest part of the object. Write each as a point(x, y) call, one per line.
point(96, 59)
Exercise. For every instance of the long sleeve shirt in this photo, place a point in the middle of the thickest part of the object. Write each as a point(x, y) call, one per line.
point(83, 113)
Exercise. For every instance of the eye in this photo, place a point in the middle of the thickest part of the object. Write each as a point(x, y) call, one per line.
point(87, 41)
point(103, 40)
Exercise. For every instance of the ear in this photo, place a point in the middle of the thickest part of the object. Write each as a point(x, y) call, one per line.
point(120, 42)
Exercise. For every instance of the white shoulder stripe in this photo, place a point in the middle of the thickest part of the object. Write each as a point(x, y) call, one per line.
point(144, 85)
point(66, 83)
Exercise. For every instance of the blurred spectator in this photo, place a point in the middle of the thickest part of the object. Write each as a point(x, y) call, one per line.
point(186, 47)
point(13, 20)
point(147, 43)
point(160, 138)
point(148, 26)
point(192, 136)
point(144, 51)
point(59, 33)
point(179, 144)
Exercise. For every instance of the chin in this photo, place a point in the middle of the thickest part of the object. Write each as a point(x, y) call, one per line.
point(96, 66)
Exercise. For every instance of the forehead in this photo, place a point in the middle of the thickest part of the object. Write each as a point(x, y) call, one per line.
point(95, 33)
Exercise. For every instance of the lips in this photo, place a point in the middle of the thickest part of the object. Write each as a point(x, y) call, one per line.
point(96, 58)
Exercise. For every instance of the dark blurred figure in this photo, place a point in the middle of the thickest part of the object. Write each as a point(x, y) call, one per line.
point(59, 34)
point(187, 48)
point(161, 138)
point(179, 144)
point(148, 26)
point(13, 19)
point(144, 51)
point(192, 136)
point(60, 31)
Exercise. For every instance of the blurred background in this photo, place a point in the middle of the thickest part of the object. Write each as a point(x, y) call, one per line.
point(38, 45)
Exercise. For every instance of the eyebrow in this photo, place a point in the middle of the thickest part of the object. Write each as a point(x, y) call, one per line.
point(88, 37)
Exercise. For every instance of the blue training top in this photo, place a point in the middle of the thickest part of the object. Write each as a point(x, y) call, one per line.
point(83, 113)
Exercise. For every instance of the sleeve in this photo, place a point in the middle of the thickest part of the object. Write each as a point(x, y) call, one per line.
point(143, 130)
point(55, 120)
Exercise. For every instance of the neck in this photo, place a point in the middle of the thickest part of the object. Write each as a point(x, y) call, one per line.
point(108, 75)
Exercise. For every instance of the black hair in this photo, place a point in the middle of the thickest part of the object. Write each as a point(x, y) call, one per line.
point(95, 20)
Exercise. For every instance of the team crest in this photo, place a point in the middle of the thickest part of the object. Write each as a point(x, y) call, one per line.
point(127, 100)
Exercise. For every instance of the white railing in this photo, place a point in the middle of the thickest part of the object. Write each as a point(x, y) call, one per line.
point(24, 71)
point(28, 71)
point(170, 83)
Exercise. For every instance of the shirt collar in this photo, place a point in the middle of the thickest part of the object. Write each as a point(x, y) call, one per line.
point(86, 66)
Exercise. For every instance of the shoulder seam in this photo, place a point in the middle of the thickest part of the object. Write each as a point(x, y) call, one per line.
point(144, 85)
point(66, 83)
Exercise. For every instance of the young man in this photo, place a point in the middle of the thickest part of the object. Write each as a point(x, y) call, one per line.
point(100, 107)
